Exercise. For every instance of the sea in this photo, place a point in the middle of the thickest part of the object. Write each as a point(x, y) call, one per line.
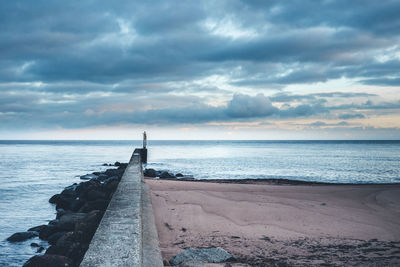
point(32, 171)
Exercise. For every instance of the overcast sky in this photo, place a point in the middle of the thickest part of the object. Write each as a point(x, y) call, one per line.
point(200, 69)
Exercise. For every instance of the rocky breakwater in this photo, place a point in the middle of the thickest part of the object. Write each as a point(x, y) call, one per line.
point(80, 208)
point(152, 173)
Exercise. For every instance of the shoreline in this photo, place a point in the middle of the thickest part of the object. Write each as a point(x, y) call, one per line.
point(267, 223)
point(270, 181)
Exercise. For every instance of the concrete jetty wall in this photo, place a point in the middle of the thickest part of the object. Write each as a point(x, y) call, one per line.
point(127, 235)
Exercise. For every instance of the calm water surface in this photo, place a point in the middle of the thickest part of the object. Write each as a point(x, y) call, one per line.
point(32, 171)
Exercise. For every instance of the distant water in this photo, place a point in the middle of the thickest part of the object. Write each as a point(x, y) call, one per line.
point(32, 171)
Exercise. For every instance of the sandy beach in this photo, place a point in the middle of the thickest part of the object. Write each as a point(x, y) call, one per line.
point(264, 224)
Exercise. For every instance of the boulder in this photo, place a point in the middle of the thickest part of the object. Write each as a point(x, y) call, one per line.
point(179, 175)
point(95, 194)
point(99, 204)
point(88, 176)
point(208, 255)
point(64, 202)
point(54, 237)
point(69, 245)
point(123, 166)
point(61, 212)
point(110, 187)
point(150, 173)
point(68, 220)
point(88, 226)
point(69, 192)
point(102, 177)
point(47, 260)
point(114, 172)
point(48, 231)
point(77, 204)
point(37, 228)
point(165, 175)
point(22, 236)
point(55, 198)
point(35, 245)
point(110, 179)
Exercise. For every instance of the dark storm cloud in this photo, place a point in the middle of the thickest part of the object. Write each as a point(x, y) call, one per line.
point(80, 63)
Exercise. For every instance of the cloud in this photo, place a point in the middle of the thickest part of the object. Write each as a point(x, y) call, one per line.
point(348, 116)
point(72, 64)
point(244, 106)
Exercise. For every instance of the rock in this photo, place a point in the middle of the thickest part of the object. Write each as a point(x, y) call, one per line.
point(37, 228)
point(89, 176)
point(150, 173)
point(55, 198)
point(99, 204)
point(166, 175)
point(102, 177)
point(64, 202)
point(209, 255)
point(67, 221)
point(54, 237)
point(39, 250)
point(22, 236)
point(73, 186)
point(35, 245)
point(104, 164)
point(114, 172)
point(53, 222)
point(88, 226)
point(110, 187)
point(110, 179)
point(69, 192)
point(95, 194)
point(117, 164)
point(47, 260)
point(85, 187)
point(179, 175)
point(69, 245)
point(77, 204)
point(48, 231)
point(61, 212)
point(123, 166)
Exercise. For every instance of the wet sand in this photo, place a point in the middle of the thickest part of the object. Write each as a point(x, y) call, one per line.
point(263, 224)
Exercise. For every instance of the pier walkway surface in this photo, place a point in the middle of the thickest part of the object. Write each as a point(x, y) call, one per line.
point(127, 235)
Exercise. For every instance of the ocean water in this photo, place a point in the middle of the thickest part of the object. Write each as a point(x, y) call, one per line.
point(32, 171)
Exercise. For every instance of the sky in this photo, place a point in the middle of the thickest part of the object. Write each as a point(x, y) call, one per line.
point(237, 69)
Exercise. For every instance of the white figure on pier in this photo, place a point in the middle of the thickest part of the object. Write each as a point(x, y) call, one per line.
point(144, 139)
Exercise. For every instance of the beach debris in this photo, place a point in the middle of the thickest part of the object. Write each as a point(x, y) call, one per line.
point(168, 226)
point(202, 255)
point(22, 236)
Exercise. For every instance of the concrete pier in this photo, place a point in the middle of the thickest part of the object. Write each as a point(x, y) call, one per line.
point(127, 235)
